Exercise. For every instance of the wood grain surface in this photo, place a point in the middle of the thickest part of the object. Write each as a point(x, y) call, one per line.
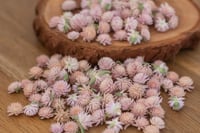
point(19, 48)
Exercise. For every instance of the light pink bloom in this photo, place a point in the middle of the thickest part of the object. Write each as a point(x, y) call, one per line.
point(53, 22)
point(113, 109)
point(45, 112)
point(177, 91)
point(176, 103)
point(154, 83)
point(157, 111)
point(173, 22)
point(126, 119)
point(107, 16)
point(96, 12)
point(75, 110)
point(107, 98)
point(117, 23)
point(78, 21)
point(42, 60)
point(152, 92)
point(104, 39)
point(186, 82)
point(72, 99)
point(141, 123)
point(120, 35)
point(85, 120)
point(146, 19)
point(151, 129)
point(158, 122)
point(61, 88)
point(83, 100)
point(41, 85)
point(82, 80)
point(173, 76)
point(118, 71)
point(14, 87)
point(139, 109)
point(69, 5)
point(125, 103)
point(89, 33)
point(47, 97)
point(106, 4)
point(56, 128)
point(71, 64)
point(136, 91)
point(145, 33)
point(58, 103)
point(103, 27)
point(73, 35)
point(106, 63)
point(166, 9)
point(161, 25)
point(24, 82)
point(35, 98)
point(15, 109)
point(35, 72)
point(122, 84)
point(67, 15)
point(31, 109)
point(141, 78)
point(29, 89)
point(74, 76)
point(84, 65)
point(71, 127)
point(107, 86)
point(93, 105)
point(115, 124)
point(85, 12)
point(85, 4)
point(131, 69)
point(131, 23)
point(153, 101)
point(98, 117)
point(167, 84)
point(125, 13)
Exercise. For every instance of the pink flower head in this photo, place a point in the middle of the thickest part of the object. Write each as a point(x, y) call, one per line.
point(93, 105)
point(125, 13)
point(29, 89)
point(71, 127)
point(42, 60)
point(67, 15)
point(74, 76)
point(153, 101)
point(89, 33)
point(152, 92)
point(166, 9)
point(158, 122)
point(103, 27)
point(154, 83)
point(61, 115)
point(82, 80)
point(107, 98)
point(186, 82)
point(146, 19)
point(131, 23)
point(173, 76)
point(104, 39)
point(157, 111)
point(161, 25)
point(96, 12)
point(120, 35)
point(118, 71)
point(134, 37)
point(85, 12)
point(69, 5)
point(98, 117)
point(173, 22)
point(45, 112)
point(14, 87)
point(107, 86)
point(35, 72)
point(31, 109)
point(115, 124)
point(125, 103)
point(122, 84)
point(176, 103)
point(58, 103)
point(145, 33)
point(75, 110)
point(141, 123)
point(61, 88)
point(15, 109)
point(139, 109)
point(136, 91)
point(126, 119)
point(73, 35)
point(151, 129)
point(85, 4)
point(106, 63)
point(54, 62)
point(35, 98)
point(41, 85)
point(141, 78)
point(56, 128)
point(72, 99)
point(47, 97)
point(83, 100)
point(54, 21)
point(106, 4)
point(25, 82)
point(84, 65)
point(167, 84)
point(113, 109)
point(117, 23)
point(177, 91)
point(85, 120)
point(107, 16)
point(78, 21)
point(131, 68)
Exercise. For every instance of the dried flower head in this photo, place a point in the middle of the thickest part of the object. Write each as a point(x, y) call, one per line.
point(56, 128)
point(117, 23)
point(106, 63)
point(35, 98)
point(177, 91)
point(141, 123)
point(157, 111)
point(141, 78)
point(45, 112)
point(136, 91)
point(85, 120)
point(71, 127)
point(89, 33)
point(71, 64)
point(126, 119)
point(107, 16)
point(14, 87)
point(35, 72)
point(161, 25)
point(173, 76)
point(122, 84)
point(153, 101)
point(139, 109)
point(54, 21)
point(15, 109)
point(158, 122)
point(73, 35)
point(118, 71)
point(103, 27)
point(29, 89)
point(104, 39)
point(107, 86)
point(113, 109)
point(98, 117)
point(115, 124)
point(176, 103)
point(120, 35)
point(69, 5)
point(61, 116)
point(126, 103)
point(78, 21)
point(61, 88)
point(42, 60)
point(166, 9)
point(131, 24)
point(31, 109)
point(186, 82)
point(75, 110)
point(134, 37)
point(96, 12)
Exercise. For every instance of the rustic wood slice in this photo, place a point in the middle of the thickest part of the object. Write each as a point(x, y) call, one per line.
point(161, 46)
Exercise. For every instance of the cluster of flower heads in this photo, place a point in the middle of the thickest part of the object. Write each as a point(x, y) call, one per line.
point(118, 94)
point(125, 20)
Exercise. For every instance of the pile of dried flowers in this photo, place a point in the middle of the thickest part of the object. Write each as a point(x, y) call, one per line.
point(118, 94)
point(126, 20)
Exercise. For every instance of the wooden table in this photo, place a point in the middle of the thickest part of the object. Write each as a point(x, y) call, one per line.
point(19, 47)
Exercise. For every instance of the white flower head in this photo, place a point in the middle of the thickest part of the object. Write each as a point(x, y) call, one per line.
point(134, 37)
point(115, 124)
point(113, 109)
point(161, 25)
point(71, 64)
point(176, 103)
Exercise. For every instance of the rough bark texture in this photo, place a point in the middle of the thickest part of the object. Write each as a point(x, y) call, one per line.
point(57, 42)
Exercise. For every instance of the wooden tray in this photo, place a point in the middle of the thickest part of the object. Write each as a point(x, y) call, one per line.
point(161, 46)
